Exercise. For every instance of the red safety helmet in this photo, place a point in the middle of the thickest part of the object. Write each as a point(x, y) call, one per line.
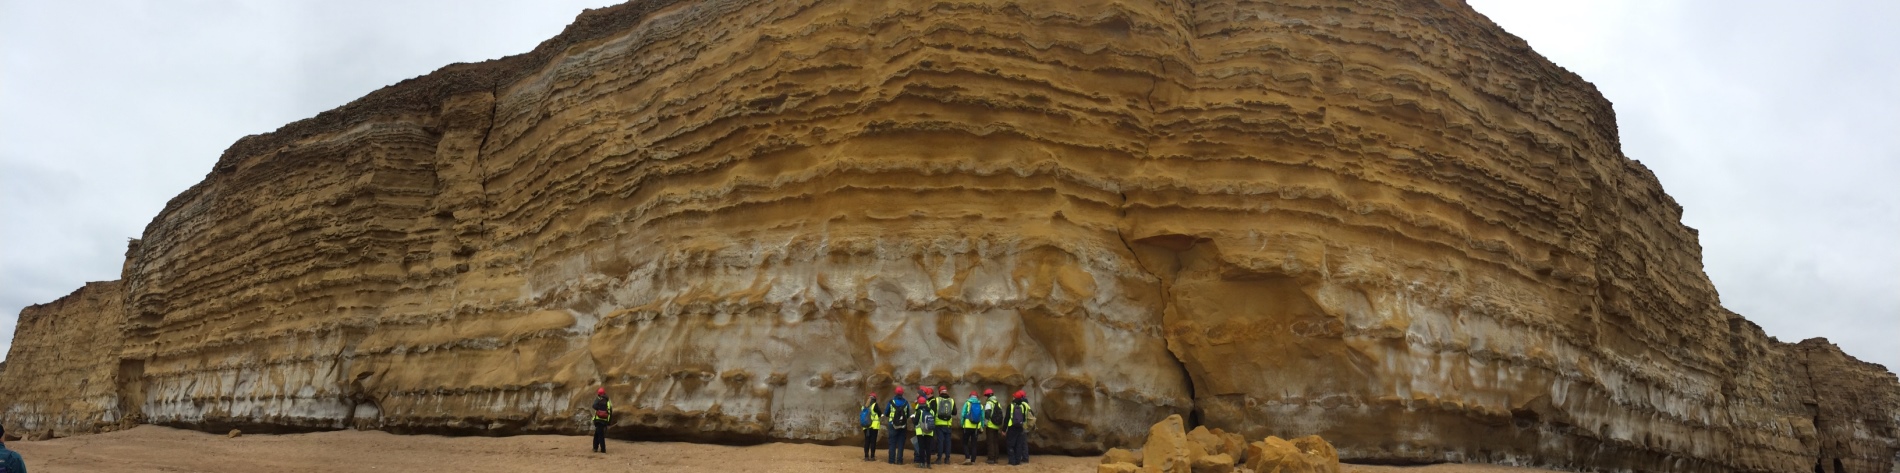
point(602, 391)
point(972, 393)
point(873, 395)
point(926, 390)
point(900, 389)
point(989, 392)
point(943, 390)
point(1020, 395)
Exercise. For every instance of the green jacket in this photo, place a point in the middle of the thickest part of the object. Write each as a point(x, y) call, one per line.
point(972, 413)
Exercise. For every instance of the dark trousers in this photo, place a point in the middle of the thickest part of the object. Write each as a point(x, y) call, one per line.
point(996, 444)
point(600, 438)
point(943, 444)
point(924, 444)
point(1018, 445)
point(969, 443)
point(896, 454)
point(870, 444)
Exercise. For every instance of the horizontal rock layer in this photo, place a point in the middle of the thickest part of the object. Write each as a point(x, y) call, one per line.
point(1388, 223)
point(64, 366)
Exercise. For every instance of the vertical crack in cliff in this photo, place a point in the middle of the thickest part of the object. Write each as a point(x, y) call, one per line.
point(1813, 403)
point(1167, 307)
point(1153, 85)
point(1121, 235)
point(1166, 284)
point(481, 170)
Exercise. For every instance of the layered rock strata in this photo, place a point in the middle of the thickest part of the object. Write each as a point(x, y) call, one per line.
point(1385, 222)
point(65, 366)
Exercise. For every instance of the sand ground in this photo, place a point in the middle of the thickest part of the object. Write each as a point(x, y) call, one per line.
point(160, 449)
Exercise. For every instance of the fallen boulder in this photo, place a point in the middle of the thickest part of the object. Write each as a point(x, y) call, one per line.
point(1209, 443)
point(1170, 448)
point(1277, 455)
point(1167, 449)
point(1232, 444)
point(1216, 463)
point(1319, 450)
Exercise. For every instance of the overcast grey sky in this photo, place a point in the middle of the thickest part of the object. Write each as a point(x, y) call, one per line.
point(1776, 124)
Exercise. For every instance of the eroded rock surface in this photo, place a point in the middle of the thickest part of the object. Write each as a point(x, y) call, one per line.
point(63, 373)
point(1385, 222)
point(1216, 463)
point(1308, 454)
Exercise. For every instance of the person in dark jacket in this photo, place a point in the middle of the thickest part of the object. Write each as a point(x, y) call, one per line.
point(993, 425)
point(603, 415)
point(897, 416)
point(869, 421)
point(922, 420)
point(10, 461)
point(942, 424)
point(1018, 419)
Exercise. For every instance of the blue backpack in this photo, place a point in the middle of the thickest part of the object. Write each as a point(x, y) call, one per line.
point(864, 417)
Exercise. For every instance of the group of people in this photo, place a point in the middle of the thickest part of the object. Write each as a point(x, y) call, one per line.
point(927, 424)
point(929, 421)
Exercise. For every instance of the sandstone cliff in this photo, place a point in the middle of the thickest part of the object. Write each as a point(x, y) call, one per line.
point(1386, 222)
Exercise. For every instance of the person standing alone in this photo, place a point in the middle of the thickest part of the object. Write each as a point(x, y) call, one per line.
point(10, 461)
point(603, 415)
point(868, 420)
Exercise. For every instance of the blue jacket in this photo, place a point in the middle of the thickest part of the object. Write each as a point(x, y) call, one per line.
point(972, 413)
point(898, 414)
point(10, 462)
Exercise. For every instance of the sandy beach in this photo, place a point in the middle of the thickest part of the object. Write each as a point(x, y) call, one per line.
point(161, 449)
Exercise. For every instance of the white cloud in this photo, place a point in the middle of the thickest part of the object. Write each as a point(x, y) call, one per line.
point(1777, 126)
point(108, 109)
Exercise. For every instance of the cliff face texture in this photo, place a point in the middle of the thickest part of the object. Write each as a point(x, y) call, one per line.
point(1388, 223)
point(63, 375)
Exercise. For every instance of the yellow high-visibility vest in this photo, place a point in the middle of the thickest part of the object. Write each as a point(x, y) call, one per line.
point(988, 407)
point(610, 411)
point(969, 423)
point(933, 411)
point(872, 408)
point(923, 412)
point(1010, 420)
